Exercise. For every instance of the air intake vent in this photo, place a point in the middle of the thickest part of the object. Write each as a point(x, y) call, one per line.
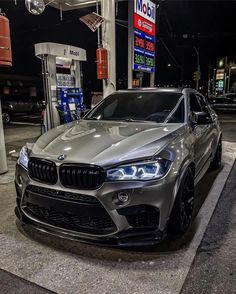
point(42, 170)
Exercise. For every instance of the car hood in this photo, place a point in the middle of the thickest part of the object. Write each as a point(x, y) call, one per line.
point(104, 143)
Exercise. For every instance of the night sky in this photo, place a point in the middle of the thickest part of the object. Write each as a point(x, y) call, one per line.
point(209, 25)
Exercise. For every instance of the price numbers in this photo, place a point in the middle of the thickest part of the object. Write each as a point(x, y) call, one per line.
point(139, 59)
point(139, 42)
point(149, 61)
point(150, 46)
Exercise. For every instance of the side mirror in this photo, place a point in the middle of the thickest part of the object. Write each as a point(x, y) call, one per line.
point(201, 118)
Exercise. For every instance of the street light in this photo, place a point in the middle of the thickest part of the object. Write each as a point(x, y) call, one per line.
point(230, 68)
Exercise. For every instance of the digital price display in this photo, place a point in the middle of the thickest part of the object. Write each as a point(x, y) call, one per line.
point(144, 52)
point(149, 59)
point(150, 43)
point(139, 42)
point(139, 57)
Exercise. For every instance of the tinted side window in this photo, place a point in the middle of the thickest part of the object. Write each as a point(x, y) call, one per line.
point(109, 110)
point(203, 104)
point(194, 103)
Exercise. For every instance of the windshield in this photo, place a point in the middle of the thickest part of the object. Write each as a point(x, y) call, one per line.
point(162, 107)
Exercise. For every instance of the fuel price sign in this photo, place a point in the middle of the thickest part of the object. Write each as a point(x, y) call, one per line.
point(144, 35)
point(144, 52)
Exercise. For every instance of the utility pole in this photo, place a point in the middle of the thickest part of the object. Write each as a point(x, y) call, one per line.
point(130, 44)
point(3, 158)
point(108, 9)
point(198, 68)
point(209, 81)
point(214, 82)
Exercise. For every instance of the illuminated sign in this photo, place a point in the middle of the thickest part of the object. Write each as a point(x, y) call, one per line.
point(220, 85)
point(144, 35)
point(220, 74)
point(144, 25)
point(145, 9)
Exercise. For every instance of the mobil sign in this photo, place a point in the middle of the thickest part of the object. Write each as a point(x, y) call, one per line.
point(145, 9)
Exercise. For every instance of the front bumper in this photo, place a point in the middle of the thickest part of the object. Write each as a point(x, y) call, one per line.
point(140, 222)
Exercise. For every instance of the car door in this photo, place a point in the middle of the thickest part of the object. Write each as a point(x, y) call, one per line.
point(202, 134)
point(25, 104)
point(14, 102)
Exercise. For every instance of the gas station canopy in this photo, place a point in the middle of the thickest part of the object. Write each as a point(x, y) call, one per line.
point(74, 4)
point(60, 50)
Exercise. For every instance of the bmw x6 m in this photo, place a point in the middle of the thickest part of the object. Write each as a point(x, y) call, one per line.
point(125, 174)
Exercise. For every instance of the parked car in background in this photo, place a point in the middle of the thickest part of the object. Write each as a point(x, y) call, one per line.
point(125, 174)
point(224, 103)
point(12, 105)
point(7, 109)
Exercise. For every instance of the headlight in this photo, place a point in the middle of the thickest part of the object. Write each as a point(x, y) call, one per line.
point(24, 157)
point(143, 171)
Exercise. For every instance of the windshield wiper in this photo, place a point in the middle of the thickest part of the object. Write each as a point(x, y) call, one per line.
point(130, 120)
point(91, 118)
point(120, 119)
point(135, 120)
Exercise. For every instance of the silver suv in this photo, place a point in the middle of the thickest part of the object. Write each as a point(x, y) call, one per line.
point(123, 175)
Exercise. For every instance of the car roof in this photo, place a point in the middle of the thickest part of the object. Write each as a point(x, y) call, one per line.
point(154, 89)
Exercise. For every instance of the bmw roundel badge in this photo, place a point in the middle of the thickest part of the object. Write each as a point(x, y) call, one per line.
point(61, 157)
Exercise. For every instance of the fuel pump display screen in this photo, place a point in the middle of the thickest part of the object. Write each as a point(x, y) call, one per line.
point(65, 80)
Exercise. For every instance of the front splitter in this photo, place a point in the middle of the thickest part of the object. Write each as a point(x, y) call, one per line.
point(130, 238)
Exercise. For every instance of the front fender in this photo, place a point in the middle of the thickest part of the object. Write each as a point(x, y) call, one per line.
point(188, 162)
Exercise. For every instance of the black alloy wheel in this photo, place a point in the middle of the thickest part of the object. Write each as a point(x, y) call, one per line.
point(182, 213)
point(6, 118)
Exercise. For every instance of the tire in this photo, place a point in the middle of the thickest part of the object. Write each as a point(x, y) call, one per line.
point(6, 117)
point(182, 212)
point(216, 162)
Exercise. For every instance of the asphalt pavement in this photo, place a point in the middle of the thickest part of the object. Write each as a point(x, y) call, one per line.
point(39, 263)
point(10, 284)
point(214, 267)
point(228, 125)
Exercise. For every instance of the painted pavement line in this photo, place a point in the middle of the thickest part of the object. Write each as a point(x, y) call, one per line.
point(227, 121)
point(24, 123)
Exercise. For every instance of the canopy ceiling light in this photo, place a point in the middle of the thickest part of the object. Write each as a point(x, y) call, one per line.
point(35, 7)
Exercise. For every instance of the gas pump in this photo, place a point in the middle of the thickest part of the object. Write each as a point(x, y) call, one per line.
point(70, 104)
point(62, 77)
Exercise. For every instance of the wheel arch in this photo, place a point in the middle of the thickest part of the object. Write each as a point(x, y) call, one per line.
point(188, 163)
